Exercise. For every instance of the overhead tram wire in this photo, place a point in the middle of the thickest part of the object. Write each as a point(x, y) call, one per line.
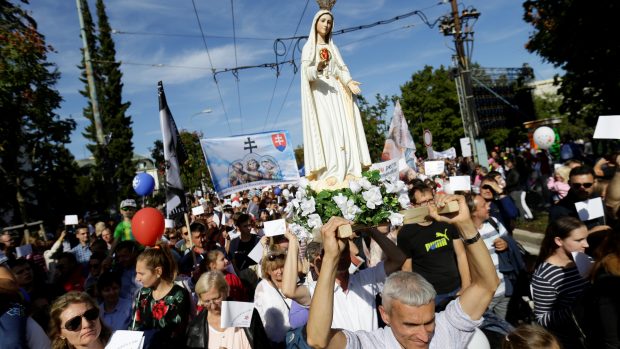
point(236, 73)
point(297, 40)
point(124, 32)
point(278, 70)
point(204, 41)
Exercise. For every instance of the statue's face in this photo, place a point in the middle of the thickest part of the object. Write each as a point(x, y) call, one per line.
point(324, 25)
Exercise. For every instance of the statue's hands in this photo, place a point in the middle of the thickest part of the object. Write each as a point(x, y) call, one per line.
point(322, 65)
point(354, 86)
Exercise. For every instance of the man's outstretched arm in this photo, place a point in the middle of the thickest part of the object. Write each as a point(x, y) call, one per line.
point(318, 329)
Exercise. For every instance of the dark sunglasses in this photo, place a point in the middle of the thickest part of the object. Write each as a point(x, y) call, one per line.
point(128, 208)
point(75, 324)
point(579, 185)
point(273, 257)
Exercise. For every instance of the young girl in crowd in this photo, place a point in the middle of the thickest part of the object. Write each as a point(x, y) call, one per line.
point(162, 308)
point(558, 184)
point(216, 261)
point(557, 283)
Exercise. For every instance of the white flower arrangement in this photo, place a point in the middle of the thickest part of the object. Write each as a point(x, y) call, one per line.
point(368, 201)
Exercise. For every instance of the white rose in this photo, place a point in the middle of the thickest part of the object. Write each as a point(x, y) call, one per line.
point(396, 219)
point(350, 210)
point(300, 194)
point(303, 182)
point(307, 206)
point(355, 186)
point(403, 200)
point(295, 203)
point(365, 183)
point(394, 187)
point(314, 221)
point(299, 231)
point(340, 200)
point(373, 197)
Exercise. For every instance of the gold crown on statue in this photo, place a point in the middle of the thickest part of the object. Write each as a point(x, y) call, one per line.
point(326, 4)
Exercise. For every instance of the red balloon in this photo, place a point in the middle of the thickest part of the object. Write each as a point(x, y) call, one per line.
point(147, 226)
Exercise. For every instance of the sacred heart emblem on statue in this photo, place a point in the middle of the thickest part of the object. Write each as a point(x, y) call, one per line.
point(325, 54)
point(279, 141)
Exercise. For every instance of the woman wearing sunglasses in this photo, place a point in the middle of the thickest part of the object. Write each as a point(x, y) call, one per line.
point(271, 304)
point(75, 323)
point(557, 283)
point(205, 331)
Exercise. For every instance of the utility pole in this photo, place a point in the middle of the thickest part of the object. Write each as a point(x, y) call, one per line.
point(463, 42)
point(90, 78)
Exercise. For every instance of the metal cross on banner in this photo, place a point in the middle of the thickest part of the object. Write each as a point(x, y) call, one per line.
point(250, 144)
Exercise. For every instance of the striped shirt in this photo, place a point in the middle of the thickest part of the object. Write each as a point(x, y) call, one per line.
point(554, 290)
point(489, 234)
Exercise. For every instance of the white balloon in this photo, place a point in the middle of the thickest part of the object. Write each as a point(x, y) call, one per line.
point(544, 137)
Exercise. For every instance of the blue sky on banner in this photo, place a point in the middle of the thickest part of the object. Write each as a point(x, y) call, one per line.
point(160, 40)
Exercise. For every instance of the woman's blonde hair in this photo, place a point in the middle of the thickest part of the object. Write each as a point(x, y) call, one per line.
point(58, 307)
point(269, 263)
point(211, 280)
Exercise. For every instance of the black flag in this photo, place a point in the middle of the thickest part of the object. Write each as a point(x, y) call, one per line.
point(174, 155)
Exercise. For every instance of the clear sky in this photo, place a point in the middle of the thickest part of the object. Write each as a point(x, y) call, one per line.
point(161, 40)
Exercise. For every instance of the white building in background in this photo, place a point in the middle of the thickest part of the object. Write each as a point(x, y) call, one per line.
point(544, 88)
point(142, 164)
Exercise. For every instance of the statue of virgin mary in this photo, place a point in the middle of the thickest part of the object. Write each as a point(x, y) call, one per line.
point(335, 148)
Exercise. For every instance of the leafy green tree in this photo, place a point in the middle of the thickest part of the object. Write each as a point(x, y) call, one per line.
point(37, 170)
point(117, 125)
point(375, 126)
point(114, 167)
point(429, 101)
point(565, 34)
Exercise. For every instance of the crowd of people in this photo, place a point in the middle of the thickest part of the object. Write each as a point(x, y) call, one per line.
point(437, 283)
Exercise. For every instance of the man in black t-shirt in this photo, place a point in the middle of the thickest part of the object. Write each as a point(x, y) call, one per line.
point(434, 249)
point(241, 246)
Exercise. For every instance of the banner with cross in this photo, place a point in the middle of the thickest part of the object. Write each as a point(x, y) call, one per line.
point(250, 161)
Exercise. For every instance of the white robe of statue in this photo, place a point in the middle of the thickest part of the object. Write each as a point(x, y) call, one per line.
point(335, 145)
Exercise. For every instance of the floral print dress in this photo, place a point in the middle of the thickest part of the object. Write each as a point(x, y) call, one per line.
point(163, 321)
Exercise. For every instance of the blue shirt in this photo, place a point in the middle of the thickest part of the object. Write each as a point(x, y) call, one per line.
point(120, 317)
point(82, 253)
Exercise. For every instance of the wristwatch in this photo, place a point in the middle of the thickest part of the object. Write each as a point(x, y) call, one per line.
point(471, 240)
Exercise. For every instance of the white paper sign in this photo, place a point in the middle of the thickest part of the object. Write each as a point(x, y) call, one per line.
point(122, 339)
point(590, 209)
point(460, 183)
point(236, 314)
point(433, 168)
point(198, 210)
point(607, 127)
point(71, 219)
point(257, 253)
point(275, 227)
point(387, 169)
point(465, 147)
point(169, 223)
point(23, 250)
point(583, 262)
point(233, 234)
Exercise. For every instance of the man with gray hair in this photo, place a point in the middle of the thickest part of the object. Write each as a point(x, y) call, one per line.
point(408, 299)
